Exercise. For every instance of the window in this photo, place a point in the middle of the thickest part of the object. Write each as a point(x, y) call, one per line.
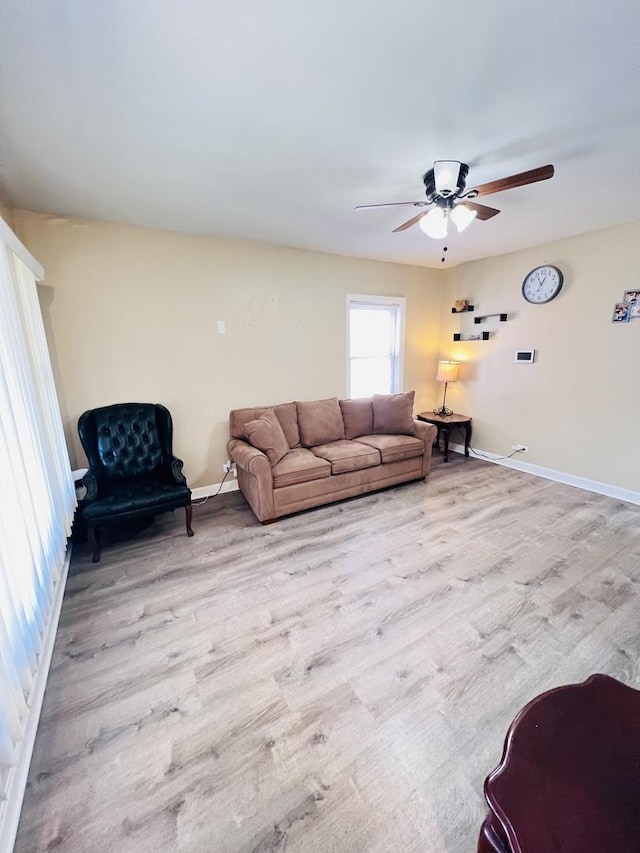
point(37, 500)
point(375, 344)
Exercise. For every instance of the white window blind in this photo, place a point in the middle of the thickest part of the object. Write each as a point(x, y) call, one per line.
point(37, 501)
point(375, 343)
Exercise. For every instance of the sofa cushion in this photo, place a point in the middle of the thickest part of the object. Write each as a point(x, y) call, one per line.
point(299, 466)
point(357, 416)
point(320, 422)
point(347, 456)
point(393, 414)
point(267, 435)
point(393, 448)
point(286, 413)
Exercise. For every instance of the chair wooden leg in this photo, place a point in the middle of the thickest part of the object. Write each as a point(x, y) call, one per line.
point(189, 514)
point(92, 535)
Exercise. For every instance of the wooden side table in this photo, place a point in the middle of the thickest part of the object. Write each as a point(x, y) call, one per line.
point(446, 423)
point(569, 779)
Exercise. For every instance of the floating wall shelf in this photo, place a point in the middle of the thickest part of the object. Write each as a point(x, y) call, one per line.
point(483, 336)
point(466, 310)
point(503, 317)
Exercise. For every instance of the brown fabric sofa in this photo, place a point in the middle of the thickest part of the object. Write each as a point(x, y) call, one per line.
point(333, 449)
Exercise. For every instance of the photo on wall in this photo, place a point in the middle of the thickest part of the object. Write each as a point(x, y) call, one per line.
point(620, 312)
point(632, 299)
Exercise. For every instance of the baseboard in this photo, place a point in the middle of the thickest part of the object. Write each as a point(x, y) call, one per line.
point(210, 491)
point(17, 781)
point(559, 476)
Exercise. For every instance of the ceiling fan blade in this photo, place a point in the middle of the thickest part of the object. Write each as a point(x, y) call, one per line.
point(482, 210)
point(542, 173)
point(391, 204)
point(409, 223)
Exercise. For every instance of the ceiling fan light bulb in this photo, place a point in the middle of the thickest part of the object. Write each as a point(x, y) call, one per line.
point(462, 216)
point(434, 224)
point(446, 174)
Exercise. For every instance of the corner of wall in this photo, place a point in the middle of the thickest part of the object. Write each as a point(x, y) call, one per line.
point(6, 208)
point(446, 277)
point(6, 213)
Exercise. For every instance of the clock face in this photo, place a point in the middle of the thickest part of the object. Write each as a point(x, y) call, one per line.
point(542, 285)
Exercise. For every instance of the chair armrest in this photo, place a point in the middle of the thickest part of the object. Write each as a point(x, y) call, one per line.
point(176, 471)
point(91, 481)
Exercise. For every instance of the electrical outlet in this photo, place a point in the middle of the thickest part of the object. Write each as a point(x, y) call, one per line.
point(523, 448)
point(228, 465)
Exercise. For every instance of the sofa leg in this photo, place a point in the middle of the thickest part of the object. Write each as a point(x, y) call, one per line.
point(92, 535)
point(269, 521)
point(188, 511)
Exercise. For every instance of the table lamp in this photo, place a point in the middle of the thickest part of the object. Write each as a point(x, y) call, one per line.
point(447, 372)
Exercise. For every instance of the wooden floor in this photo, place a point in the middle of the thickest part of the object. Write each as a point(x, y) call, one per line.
point(338, 682)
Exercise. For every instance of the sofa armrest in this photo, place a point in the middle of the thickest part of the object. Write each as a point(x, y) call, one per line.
point(254, 478)
point(249, 458)
point(427, 432)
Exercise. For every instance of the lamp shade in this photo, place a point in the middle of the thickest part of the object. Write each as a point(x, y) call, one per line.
point(434, 223)
point(462, 216)
point(447, 371)
point(446, 174)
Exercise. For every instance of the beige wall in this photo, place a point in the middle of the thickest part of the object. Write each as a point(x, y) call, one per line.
point(132, 316)
point(578, 406)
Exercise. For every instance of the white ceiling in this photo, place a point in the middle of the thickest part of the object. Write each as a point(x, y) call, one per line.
point(272, 120)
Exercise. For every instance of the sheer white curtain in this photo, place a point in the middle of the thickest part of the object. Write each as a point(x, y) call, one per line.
point(37, 501)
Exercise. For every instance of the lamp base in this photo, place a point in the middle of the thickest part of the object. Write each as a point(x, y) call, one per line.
point(443, 411)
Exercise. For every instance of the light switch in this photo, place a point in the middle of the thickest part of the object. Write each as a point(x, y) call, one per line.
point(222, 327)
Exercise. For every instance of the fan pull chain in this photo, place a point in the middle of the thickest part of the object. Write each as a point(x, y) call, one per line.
point(443, 259)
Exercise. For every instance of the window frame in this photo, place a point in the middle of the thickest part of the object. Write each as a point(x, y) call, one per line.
point(400, 303)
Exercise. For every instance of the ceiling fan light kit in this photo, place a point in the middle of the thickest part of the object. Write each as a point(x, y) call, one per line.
point(435, 223)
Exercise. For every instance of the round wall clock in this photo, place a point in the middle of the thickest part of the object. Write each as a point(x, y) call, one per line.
point(542, 284)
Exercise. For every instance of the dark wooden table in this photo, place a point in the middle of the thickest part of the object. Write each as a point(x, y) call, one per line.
point(445, 424)
point(569, 779)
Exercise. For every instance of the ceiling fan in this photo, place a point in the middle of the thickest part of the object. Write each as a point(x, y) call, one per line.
point(449, 199)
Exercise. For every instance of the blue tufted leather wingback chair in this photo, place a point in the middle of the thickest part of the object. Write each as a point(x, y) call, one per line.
point(132, 470)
